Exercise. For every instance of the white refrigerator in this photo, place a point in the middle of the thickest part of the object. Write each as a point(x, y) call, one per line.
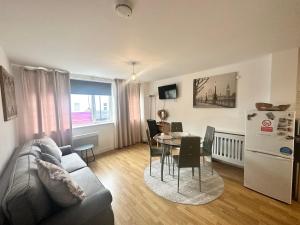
point(269, 150)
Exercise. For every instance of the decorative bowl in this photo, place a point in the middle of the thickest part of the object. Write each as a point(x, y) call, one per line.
point(269, 107)
point(261, 106)
point(283, 107)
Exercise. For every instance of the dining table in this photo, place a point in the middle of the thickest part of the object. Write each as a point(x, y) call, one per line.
point(168, 141)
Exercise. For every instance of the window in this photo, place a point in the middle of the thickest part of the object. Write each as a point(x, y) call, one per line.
point(90, 102)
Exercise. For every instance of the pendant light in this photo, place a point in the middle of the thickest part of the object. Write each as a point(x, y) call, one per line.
point(133, 75)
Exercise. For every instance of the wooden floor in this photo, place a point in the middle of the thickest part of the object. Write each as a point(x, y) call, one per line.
point(122, 172)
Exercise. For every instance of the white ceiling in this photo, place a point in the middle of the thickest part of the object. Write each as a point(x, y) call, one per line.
point(166, 37)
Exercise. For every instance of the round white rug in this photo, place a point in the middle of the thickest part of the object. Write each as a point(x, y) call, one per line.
point(212, 186)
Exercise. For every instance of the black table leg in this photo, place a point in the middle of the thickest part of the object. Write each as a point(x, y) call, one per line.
point(169, 164)
point(94, 158)
point(86, 157)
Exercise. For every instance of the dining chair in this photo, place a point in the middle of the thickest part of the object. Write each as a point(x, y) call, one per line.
point(152, 127)
point(206, 148)
point(153, 130)
point(176, 127)
point(189, 156)
point(155, 151)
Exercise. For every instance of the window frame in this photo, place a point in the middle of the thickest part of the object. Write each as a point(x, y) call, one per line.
point(94, 111)
point(110, 107)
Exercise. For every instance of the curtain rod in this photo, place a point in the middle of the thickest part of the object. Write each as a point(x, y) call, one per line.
point(40, 68)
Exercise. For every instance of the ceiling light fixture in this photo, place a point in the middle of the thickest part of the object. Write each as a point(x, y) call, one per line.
point(123, 9)
point(133, 75)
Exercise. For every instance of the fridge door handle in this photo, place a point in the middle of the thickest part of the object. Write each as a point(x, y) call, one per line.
point(270, 155)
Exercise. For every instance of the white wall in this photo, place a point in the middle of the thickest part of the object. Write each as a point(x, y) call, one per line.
point(8, 134)
point(284, 77)
point(106, 135)
point(298, 88)
point(272, 78)
point(253, 86)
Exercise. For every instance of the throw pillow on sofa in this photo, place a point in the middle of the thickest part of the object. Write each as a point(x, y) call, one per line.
point(51, 159)
point(46, 140)
point(59, 184)
point(48, 146)
point(50, 149)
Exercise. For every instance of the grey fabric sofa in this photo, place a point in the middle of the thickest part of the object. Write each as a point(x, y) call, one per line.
point(24, 200)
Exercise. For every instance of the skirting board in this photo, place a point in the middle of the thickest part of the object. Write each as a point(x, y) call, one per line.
point(101, 150)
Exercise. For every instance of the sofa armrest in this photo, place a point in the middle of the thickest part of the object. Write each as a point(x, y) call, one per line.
point(89, 210)
point(66, 150)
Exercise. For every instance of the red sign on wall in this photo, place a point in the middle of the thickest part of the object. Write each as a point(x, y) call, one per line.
point(266, 126)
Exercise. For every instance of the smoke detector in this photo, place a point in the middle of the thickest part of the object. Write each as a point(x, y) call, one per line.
point(123, 9)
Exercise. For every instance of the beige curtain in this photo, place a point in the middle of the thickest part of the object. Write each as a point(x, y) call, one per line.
point(128, 115)
point(43, 104)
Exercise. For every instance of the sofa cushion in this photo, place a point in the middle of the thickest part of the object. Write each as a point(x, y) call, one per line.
point(59, 184)
point(88, 181)
point(66, 150)
point(26, 201)
point(72, 162)
point(91, 209)
point(50, 159)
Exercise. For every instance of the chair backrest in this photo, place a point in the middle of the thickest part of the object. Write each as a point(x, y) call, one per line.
point(153, 128)
point(209, 139)
point(176, 127)
point(189, 155)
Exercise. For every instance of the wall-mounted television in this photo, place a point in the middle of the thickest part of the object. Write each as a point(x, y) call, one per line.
point(167, 92)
